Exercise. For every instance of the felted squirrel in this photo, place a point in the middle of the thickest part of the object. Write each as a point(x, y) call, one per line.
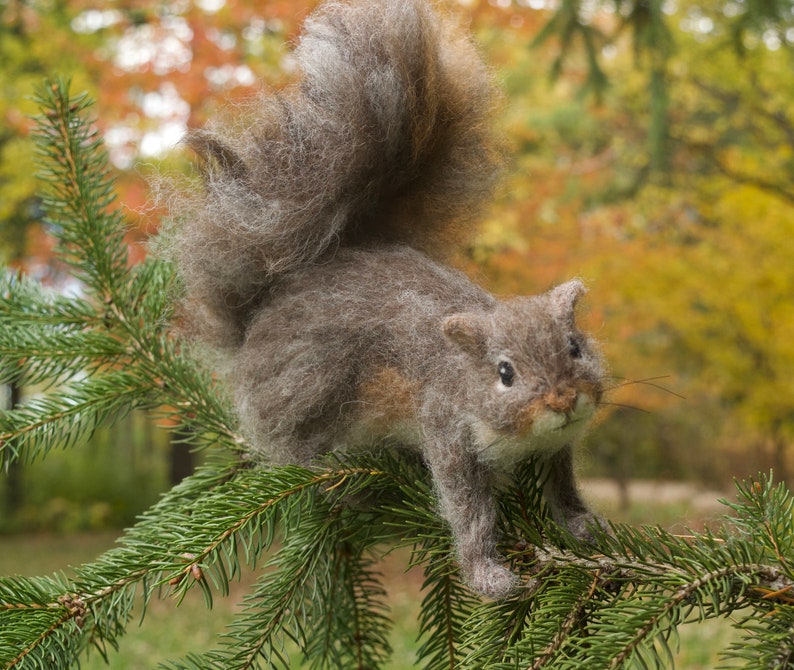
point(314, 256)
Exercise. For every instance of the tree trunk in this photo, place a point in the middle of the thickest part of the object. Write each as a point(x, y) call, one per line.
point(183, 461)
point(779, 457)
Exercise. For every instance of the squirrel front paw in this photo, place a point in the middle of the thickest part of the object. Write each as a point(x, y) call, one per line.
point(491, 580)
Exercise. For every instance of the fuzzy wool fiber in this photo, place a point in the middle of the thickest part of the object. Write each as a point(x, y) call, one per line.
point(314, 256)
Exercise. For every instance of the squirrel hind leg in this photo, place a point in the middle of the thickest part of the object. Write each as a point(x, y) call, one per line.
point(274, 447)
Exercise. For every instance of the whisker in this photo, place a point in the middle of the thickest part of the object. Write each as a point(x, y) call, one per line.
point(649, 381)
point(624, 406)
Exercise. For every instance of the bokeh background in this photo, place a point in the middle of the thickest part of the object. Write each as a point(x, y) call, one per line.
point(651, 153)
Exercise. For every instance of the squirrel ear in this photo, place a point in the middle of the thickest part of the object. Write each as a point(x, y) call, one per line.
point(563, 297)
point(467, 331)
point(214, 153)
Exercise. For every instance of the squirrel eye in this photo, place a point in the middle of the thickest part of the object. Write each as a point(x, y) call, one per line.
point(506, 373)
point(574, 347)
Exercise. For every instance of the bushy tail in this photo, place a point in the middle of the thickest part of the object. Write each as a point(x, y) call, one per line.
point(386, 137)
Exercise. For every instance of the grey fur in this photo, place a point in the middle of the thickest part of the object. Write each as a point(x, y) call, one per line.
point(315, 249)
point(389, 124)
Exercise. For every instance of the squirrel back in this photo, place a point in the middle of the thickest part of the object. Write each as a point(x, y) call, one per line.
point(386, 138)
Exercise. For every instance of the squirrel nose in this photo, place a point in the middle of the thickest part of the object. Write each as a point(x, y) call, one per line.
point(561, 399)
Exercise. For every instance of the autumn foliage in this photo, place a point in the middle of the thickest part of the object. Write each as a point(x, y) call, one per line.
point(652, 154)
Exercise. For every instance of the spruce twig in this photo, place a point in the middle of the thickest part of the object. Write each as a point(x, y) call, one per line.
point(321, 530)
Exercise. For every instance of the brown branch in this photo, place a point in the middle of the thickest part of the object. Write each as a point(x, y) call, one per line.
point(767, 185)
point(75, 605)
point(574, 618)
point(726, 97)
point(752, 180)
point(680, 596)
point(769, 584)
point(319, 479)
point(65, 616)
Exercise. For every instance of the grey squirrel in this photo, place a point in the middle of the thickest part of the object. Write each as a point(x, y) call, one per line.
point(314, 256)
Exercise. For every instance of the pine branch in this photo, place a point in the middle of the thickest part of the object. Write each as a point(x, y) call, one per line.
point(111, 346)
point(176, 546)
point(80, 190)
point(617, 604)
point(46, 337)
point(53, 355)
point(67, 416)
point(26, 301)
point(619, 608)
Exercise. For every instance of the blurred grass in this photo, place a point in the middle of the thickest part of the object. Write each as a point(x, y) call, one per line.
point(107, 483)
point(169, 631)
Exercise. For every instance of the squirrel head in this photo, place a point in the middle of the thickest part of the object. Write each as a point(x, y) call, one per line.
point(534, 378)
